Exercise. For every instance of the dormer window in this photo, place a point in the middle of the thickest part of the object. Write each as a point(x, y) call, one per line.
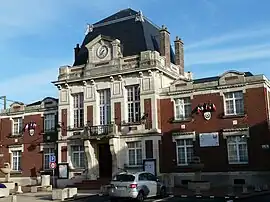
point(234, 103)
point(182, 108)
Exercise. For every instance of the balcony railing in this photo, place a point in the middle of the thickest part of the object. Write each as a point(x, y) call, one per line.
point(100, 130)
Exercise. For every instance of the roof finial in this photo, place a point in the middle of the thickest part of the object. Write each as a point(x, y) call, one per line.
point(89, 28)
point(139, 17)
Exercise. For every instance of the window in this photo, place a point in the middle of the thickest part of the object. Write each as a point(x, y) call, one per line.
point(17, 126)
point(78, 110)
point(134, 111)
point(77, 156)
point(234, 103)
point(143, 177)
point(48, 152)
point(134, 153)
point(124, 178)
point(182, 108)
point(49, 122)
point(237, 149)
point(184, 151)
point(105, 106)
point(16, 160)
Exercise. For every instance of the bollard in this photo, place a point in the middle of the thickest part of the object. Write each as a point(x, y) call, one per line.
point(197, 191)
point(230, 191)
point(257, 188)
point(13, 198)
point(245, 190)
point(19, 189)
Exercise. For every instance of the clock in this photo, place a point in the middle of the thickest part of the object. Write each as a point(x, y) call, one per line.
point(102, 51)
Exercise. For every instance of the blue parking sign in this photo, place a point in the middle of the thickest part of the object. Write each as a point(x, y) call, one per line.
point(52, 158)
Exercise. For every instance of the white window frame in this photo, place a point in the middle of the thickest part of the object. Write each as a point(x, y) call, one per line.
point(136, 149)
point(180, 103)
point(185, 146)
point(81, 156)
point(51, 152)
point(78, 108)
point(133, 103)
point(18, 121)
point(49, 122)
point(234, 98)
point(105, 106)
point(237, 143)
point(18, 156)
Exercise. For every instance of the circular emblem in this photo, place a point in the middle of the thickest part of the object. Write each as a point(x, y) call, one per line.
point(102, 51)
point(207, 115)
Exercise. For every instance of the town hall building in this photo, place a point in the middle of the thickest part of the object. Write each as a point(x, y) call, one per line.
point(127, 103)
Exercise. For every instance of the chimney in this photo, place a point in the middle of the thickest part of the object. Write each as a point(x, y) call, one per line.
point(76, 50)
point(165, 47)
point(179, 54)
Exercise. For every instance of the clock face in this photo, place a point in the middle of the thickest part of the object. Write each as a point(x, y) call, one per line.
point(102, 51)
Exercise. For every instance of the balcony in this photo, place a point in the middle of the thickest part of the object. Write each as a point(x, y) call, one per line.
point(91, 132)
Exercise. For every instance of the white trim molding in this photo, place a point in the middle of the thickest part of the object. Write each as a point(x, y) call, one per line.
point(235, 132)
point(12, 148)
point(50, 145)
point(183, 135)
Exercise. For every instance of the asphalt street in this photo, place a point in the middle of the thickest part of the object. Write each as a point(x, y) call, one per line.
point(179, 199)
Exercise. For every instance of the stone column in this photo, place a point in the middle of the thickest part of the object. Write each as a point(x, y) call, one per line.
point(114, 147)
point(92, 162)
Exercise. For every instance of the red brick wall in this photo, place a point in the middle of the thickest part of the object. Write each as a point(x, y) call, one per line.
point(64, 154)
point(256, 119)
point(117, 113)
point(31, 157)
point(64, 122)
point(90, 115)
point(148, 111)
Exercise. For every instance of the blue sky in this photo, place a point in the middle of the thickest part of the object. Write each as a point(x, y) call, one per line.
point(37, 37)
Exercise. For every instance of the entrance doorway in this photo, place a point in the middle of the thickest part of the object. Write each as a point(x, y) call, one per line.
point(105, 161)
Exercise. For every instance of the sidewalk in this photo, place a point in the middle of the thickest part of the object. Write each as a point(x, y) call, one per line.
point(47, 196)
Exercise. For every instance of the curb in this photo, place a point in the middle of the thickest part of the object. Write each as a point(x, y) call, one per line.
point(82, 197)
point(225, 197)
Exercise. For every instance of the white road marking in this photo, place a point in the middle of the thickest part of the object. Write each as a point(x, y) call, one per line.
point(163, 199)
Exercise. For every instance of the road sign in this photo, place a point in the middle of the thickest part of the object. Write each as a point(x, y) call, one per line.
point(52, 158)
point(52, 165)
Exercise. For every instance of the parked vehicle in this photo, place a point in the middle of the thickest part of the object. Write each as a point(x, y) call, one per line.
point(140, 185)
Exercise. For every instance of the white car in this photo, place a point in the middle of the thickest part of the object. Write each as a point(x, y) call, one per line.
point(138, 186)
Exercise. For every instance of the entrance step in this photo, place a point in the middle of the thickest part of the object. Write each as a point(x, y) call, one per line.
point(91, 184)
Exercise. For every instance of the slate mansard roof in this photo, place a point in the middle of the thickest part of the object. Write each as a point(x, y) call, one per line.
point(135, 36)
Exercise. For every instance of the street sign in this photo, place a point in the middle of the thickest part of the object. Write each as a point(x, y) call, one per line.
point(52, 165)
point(52, 158)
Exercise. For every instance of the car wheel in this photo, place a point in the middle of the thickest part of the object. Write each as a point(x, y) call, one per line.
point(140, 197)
point(163, 192)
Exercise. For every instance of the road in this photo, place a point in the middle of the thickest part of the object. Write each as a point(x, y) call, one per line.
point(179, 199)
point(168, 199)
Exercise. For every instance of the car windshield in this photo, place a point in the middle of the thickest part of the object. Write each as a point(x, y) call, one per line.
point(124, 178)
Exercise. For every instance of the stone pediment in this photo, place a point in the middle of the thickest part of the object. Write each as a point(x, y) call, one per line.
point(181, 84)
point(103, 48)
point(232, 77)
